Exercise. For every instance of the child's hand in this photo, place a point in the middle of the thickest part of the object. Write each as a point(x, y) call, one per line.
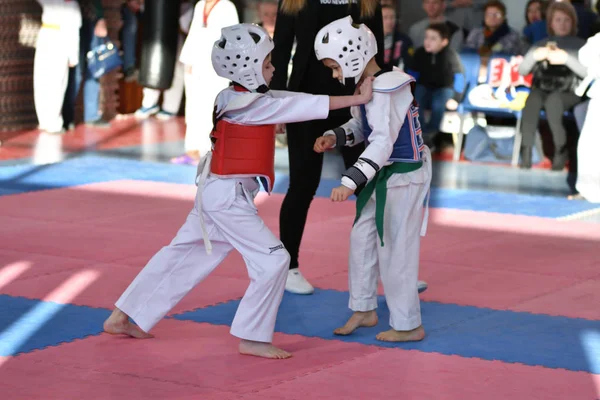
point(324, 143)
point(451, 104)
point(558, 57)
point(341, 193)
point(541, 53)
point(365, 91)
point(280, 128)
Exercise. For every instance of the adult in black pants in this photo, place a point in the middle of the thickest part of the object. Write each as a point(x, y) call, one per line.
point(299, 21)
point(557, 73)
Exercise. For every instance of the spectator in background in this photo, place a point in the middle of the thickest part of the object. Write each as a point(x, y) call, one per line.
point(202, 84)
point(398, 48)
point(130, 11)
point(535, 18)
point(299, 21)
point(586, 18)
point(495, 36)
point(267, 15)
point(557, 73)
point(435, 14)
point(434, 66)
point(57, 49)
point(467, 14)
point(93, 32)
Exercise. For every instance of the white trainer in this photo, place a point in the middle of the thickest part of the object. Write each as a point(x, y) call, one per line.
point(296, 283)
point(422, 286)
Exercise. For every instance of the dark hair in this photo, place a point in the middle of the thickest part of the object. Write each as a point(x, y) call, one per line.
point(495, 4)
point(441, 28)
point(530, 2)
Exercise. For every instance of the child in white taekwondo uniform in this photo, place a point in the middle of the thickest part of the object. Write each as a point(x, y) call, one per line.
point(396, 164)
point(57, 49)
point(224, 216)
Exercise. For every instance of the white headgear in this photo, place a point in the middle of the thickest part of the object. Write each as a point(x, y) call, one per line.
point(350, 45)
point(239, 54)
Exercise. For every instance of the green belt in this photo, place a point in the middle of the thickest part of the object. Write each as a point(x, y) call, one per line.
point(379, 185)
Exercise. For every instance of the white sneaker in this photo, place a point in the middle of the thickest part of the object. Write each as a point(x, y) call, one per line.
point(146, 112)
point(297, 284)
point(422, 286)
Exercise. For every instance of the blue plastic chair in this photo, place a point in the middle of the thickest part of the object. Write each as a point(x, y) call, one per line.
point(471, 63)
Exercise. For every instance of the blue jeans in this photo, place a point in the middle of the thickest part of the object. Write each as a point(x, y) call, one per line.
point(129, 37)
point(435, 100)
point(91, 86)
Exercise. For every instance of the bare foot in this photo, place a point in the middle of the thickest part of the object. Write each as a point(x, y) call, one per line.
point(392, 335)
point(118, 324)
point(358, 319)
point(260, 349)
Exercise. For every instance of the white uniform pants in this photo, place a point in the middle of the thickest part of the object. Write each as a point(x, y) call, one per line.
point(588, 163)
point(50, 78)
point(232, 222)
point(171, 97)
point(200, 94)
point(397, 262)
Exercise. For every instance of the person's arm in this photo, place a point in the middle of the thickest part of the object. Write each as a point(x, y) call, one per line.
point(456, 42)
point(530, 58)
point(385, 130)
point(283, 38)
point(348, 134)
point(473, 39)
point(458, 72)
point(280, 108)
point(574, 64)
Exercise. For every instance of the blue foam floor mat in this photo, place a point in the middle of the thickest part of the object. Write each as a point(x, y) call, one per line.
point(92, 169)
point(466, 331)
point(27, 325)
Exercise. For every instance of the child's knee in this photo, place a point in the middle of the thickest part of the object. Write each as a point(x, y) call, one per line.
point(281, 260)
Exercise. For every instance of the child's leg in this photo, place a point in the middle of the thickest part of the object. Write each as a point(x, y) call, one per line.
point(423, 98)
point(363, 272)
point(168, 277)
point(399, 257)
point(267, 261)
point(172, 97)
point(438, 107)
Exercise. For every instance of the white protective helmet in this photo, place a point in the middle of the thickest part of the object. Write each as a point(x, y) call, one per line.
point(240, 52)
point(352, 46)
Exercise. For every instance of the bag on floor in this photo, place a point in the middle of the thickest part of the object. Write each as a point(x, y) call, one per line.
point(498, 148)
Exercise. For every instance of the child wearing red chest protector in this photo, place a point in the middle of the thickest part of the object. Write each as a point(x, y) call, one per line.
point(224, 216)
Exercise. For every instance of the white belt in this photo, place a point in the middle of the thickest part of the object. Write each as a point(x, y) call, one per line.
point(427, 164)
point(201, 175)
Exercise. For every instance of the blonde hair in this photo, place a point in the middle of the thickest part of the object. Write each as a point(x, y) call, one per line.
point(565, 8)
point(293, 7)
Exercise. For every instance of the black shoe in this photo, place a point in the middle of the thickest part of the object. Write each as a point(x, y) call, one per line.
point(526, 157)
point(559, 161)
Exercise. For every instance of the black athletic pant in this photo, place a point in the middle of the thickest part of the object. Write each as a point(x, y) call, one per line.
point(305, 175)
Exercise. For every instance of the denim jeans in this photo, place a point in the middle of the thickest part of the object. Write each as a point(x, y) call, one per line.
point(434, 100)
point(91, 86)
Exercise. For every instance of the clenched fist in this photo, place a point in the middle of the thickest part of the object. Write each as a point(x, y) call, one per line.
point(324, 143)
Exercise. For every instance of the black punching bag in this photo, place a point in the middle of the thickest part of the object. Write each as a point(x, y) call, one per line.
point(159, 43)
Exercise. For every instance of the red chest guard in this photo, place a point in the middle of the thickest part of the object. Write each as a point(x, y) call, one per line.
point(244, 151)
